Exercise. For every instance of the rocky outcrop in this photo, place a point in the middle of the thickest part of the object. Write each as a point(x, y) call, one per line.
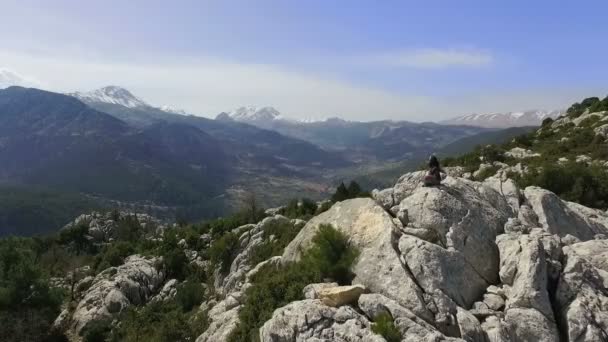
point(483, 258)
point(311, 320)
point(103, 227)
point(379, 268)
point(520, 153)
point(113, 290)
point(340, 295)
point(250, 236)
point(563, 218)
point(582, 294)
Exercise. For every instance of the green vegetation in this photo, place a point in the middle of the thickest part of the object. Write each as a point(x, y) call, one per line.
point(590, 104)
point(330, 256)
point(300, 208)
point(352, 191)
point(283, 233)
point(559, 147)
point(385, 327)
point(157, 322)
point(28, 305)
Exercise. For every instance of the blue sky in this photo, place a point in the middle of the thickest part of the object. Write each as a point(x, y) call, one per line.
point(363, 60)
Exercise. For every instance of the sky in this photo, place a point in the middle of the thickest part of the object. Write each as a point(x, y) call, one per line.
point(359, 60)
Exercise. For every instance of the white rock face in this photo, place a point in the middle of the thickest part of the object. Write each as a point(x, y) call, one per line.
point(521, 153)
point(582, 299)
point(102, 227)
point(562, 218)
point(370, 228)
point(116, 288)
point(310, 320)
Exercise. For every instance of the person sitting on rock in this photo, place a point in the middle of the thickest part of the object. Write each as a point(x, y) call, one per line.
point(433, 177)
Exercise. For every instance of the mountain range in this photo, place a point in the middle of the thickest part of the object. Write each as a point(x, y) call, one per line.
point(505, 120)
point(108, 148)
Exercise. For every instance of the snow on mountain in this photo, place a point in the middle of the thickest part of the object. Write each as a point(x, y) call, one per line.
point(111, 94)
point(10, 78)
point(504, 120)
point(170, 109)
point(253, 113)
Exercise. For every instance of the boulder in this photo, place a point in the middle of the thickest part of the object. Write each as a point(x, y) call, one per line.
point(520, 153)
point(311, 320)
point(115, 289)
point(370, 229)
point(582, 298)
point(340, 295)
point(436, 268)
point(406, 185)
point(470, 328)
point(524, 269)
point(563, 218)
point(411, 327)
point(311, 291)
point(466, 216)
point(384, 197)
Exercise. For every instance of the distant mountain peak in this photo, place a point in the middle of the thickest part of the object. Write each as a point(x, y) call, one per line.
point(504, 120)
point(253, 113)
point(172, 110)
point(112, 94)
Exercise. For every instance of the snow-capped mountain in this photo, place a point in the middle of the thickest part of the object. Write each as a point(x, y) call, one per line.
point(113, 95)
point(504, 120)
point(251, 114)
point(170, 109)
point(120, 96)
point(9, 78)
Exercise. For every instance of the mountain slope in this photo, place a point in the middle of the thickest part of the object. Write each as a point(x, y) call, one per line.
point(360, 142)
point(504, 120)
point(55, 141)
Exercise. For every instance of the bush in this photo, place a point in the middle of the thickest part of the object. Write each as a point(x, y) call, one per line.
point(385, 327)
point(189, 294)
point(97, 331)
point(223, 251)
point(587, 185)
point(304, 209)
point(283, 234)
point(155, 322)
point(113, 255)
point(352, 191)
point(330, 256)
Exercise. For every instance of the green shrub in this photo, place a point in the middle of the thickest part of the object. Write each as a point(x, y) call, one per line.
point(385, 326)
point(352, 191)
point(97, 331)
point(223, 251)
point(283, 234)
point(155, 322)
point(330, 256)
point(113, 255)
point(304, 209)
point(189, 294)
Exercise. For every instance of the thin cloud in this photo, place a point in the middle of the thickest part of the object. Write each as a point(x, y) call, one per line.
point(436, 58)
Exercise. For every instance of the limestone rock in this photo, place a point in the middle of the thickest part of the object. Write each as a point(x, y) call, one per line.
point(582, 298)
point(384, 197)
point(340, 295)
point(311, 320)
point(465, 216)
point(520, 153)
point(412, 327)
point(311, 291)
point(436, 268)
point(470, 328)
point(562, 218)
point(116, 288)
point(369, 228)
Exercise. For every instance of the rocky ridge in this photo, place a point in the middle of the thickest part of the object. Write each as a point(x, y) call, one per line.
point(464, 261)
